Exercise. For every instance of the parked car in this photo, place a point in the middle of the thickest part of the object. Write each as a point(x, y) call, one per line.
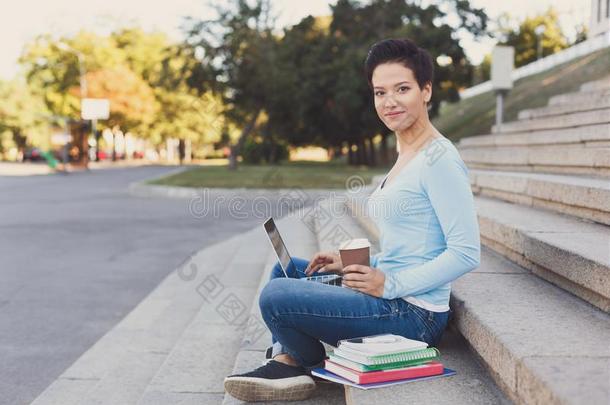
point(33, 155)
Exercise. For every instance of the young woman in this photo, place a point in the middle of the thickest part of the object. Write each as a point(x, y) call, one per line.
point(429, 237)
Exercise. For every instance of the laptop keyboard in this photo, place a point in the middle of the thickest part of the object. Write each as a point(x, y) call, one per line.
point(331, 279)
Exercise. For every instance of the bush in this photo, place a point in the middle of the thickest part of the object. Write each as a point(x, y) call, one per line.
point(257, 152)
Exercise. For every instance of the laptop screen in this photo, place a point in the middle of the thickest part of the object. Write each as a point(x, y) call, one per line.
point(278, 245)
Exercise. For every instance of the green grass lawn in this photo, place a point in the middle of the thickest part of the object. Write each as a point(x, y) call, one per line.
point(476, 115)
point(286, 175)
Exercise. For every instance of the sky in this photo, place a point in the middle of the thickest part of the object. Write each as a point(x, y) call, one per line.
point(23, 20)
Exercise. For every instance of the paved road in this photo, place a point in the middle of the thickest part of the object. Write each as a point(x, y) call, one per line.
point(77, 253)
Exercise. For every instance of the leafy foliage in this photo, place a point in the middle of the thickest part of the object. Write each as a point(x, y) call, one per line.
point(309, 80)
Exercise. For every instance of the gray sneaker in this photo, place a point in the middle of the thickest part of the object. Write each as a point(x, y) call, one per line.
point(273, 381)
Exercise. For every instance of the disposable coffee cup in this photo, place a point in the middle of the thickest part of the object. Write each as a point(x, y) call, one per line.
point(355, 251)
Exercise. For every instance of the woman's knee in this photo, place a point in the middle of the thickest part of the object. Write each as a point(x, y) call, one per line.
point(272, 295)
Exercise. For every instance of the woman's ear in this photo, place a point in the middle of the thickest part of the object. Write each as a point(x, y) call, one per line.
point(427, 92)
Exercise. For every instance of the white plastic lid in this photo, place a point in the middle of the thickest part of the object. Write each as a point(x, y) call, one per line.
point(355, 244)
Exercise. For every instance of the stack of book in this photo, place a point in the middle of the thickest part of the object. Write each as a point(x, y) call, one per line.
point(380, 360)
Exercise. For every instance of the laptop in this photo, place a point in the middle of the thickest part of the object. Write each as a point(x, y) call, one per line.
point(285, 259)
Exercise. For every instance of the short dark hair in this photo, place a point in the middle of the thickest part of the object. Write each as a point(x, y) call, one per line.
point(402, 51)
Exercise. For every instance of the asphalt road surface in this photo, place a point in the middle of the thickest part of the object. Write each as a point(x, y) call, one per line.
point(77, 254)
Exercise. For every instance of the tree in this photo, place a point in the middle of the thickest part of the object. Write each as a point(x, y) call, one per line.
point(52, 68)
point(309, 82)
point(235, 51)
point(319, 70)
point(132, 101)
point(144, 52)
point(482, 72)
point(140, 73)
point(23, 116)
point(524, 38)
point(188, 116)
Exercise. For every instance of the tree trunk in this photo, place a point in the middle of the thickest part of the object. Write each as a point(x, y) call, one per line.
point(113, 146)
point(188, 151)
point(372, 157)
point(350, 155)
point(273, 154)
point(236, 149)
point(385, 159)
point(362, 152)
point(181, 150)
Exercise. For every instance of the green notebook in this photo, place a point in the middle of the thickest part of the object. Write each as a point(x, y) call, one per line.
point(379, 362)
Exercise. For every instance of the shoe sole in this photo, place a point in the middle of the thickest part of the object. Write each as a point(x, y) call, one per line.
point(252, 389)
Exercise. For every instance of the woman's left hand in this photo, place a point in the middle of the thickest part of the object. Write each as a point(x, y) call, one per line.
point(364, 279)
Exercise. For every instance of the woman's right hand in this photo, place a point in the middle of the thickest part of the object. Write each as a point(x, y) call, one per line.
point(325, 262)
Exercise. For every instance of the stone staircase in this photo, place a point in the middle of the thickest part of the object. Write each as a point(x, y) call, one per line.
point(331, 222)
point(531, 325)
point(570, 136)
point(176, 346)
point(536, 311)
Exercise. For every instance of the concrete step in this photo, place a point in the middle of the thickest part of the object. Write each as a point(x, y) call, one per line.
point(299, 235)
point(541, 159)
point(471, 385)
point(207, 349)
point(541, 344)
point(334, 225)
point(583, 197)
point(570, 253)
point(578, 97)
point(596, 85)
point(585, 136)
point(555, 110)
point(119, 367)
point(576, 119)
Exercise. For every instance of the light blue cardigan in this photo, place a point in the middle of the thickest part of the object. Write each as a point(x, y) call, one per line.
point(428, 224)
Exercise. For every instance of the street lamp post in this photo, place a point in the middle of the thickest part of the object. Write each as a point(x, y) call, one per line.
point(502, 61)
point(539, 30)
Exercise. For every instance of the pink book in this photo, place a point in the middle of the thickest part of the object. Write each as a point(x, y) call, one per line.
point(359, 377)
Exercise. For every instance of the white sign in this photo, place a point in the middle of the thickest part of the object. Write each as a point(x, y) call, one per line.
point(95, 108)
point(61, 139)
point(502, 60)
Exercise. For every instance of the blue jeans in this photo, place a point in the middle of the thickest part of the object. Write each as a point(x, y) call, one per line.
point(302, 313)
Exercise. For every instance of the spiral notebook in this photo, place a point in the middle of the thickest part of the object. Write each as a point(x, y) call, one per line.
point(382, 349)
point(419, 357)
point(422, 354)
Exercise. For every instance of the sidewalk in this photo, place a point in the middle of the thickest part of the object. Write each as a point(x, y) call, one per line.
point(41, 168)
point(24, 169)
